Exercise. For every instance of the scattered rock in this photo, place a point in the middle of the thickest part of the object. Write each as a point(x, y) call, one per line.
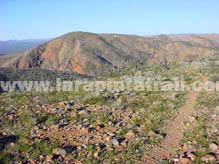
point(151, 133)
point(42, 158)
point(83, 113)
point(191, 156)
point(96, 154)
point(159, 136)
point(115, 142)
point(98, 126)
point(59, 151)
point(88, 139)
point(175, 160)
point(62, 104)
point(213, 147)
point(54, 127)
point(208, 158)
point(32, 132)
point(130, 134)
point(191, 119)
point(53, 110)
point(49, 158)
point(184, 160)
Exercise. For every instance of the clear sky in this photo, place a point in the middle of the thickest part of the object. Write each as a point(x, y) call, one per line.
point(31, 19)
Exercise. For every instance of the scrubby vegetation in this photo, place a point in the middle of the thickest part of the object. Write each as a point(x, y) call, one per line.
point(117, 126)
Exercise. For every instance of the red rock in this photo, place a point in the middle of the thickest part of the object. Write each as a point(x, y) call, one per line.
point(184, 160)
point(151, 133)
point(208, 158)
point(130, 135)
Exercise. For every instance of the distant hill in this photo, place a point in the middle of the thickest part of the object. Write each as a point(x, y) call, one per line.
point(16, 46)
point(99, 54)
point(10, 74)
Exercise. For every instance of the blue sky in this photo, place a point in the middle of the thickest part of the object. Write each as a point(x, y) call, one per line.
point(31, 19)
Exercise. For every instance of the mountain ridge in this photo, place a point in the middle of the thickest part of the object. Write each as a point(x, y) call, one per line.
point(100, 54)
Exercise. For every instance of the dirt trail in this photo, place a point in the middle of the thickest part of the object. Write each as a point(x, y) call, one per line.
point(174, 130)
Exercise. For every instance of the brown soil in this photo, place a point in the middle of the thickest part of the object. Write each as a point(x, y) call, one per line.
point(174, 130)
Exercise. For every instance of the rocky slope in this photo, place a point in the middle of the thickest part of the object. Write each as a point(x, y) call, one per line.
point(10, 74)
point(101, 54)
point(116, 126)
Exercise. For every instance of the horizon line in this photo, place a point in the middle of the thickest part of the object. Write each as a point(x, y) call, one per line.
point(149, 35)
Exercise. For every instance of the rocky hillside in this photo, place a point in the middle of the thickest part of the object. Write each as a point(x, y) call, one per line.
point(10, 74)
point(102, 54)
point(116, 126)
